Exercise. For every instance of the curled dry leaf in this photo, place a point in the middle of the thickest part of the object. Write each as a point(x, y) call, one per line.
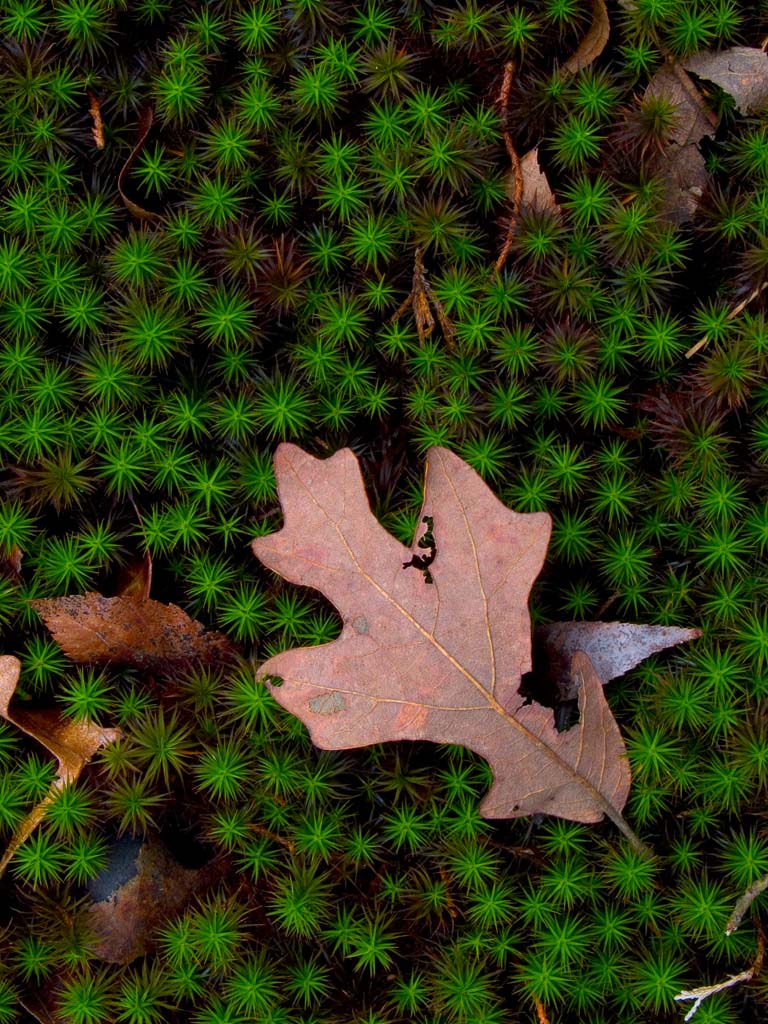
point(434, 644)
point(613, 647)
point(594, 42)
point(741, 71)
point(143, 886)
point(73, 744)
point(145, 123)
point(129, 630)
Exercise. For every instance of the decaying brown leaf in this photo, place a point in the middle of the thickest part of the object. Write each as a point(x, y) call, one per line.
point(124, 920)
point(435, 637)
point(594, 42)
point(741, 71)
point(73, 744)
point(613, 647)
point(127, 630)
point(680, 163)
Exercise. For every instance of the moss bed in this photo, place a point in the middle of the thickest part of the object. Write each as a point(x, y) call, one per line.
point(210, 214)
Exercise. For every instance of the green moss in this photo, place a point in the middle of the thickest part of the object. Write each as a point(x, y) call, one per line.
point(151, 361)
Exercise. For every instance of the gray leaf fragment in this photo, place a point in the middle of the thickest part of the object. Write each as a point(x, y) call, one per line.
point(741, 71)
point(612, 647)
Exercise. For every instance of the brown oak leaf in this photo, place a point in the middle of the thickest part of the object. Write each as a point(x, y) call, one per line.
point(73, 744)
point(435, 637)
point(128, 630)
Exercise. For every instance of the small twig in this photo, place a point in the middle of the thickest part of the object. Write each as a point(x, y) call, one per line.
point(705, 991)
point(449, 901)
point(744, 902)
point(734, 312)
point(524, 852)
point(514, 159)
point(698, 995)
point(607, 604)
point(261, 830)
point(541, 1013)
point(97, 129)
point(419, 299)
point(503, 101)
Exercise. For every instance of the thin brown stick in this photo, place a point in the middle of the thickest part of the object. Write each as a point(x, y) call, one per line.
point(541, 1013)
point(514, 159)
point(261, 830)
point(503, 101)
point(734, 312)
point(97, 129)
point(421, 298)
point(449, 901)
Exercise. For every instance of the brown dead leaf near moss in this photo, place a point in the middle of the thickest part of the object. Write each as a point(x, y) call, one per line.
point(679, 163)
point(73, 744)
point(435, 651)
point(123, 923)
point(594, 42)
point(741, 71)
point(536, 192)
point(127, 630)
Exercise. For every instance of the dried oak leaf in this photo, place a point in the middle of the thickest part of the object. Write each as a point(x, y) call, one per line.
point(73, 744)
point(440, 660)
point(127, 630)
point(613, 647)
point(741, 71)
